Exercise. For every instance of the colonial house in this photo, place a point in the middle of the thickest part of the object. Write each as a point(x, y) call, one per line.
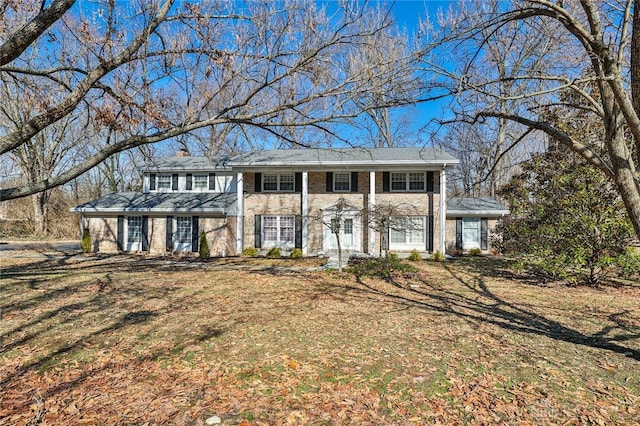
point(291, 199)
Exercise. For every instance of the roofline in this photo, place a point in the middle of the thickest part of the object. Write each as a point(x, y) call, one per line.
point(148, 210)
point(436, 164)
point(463, 213)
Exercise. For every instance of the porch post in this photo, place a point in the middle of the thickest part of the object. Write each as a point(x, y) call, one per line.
point(443, 210)
point(240, 215)
point(372, 203)
point(305, 210)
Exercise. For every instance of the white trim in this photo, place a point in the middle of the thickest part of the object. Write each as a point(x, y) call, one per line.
point(305, 210)
point(240, 215)
point(279, 242)
point(372, 203)
point(443, 211)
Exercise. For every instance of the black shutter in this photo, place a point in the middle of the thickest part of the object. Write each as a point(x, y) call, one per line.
point(258, 182)
point(298, 229)
point(459, 233)
point(429, 181)
point(169, 234)
point(430, 232)
point(212, 181)
point(174, 182)
point(386, 182)
point(189, 181)
point(120, 234)
point(195, 234)
point(257, 231)
point(484, 233)
point(298, 182)
point(329, 181)
point(152, 182)
point(354, 181)
point(145, 233)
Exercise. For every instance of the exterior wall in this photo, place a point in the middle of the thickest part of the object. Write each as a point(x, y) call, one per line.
point(261, 203)
point(451, 234)
point(103, 232)
point(220, 233)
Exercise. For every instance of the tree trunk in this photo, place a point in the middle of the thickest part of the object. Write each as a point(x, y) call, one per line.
point(40, 203)
point(635, 67)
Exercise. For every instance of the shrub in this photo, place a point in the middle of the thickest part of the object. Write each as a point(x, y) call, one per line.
point(274, 252)
point(415, 256)
point(250, 252)
point(381, 267)
point(475, 252)
point(204, 246)
point(85, 244)
point(629, 262)
point(296, 254)
point(437, 256)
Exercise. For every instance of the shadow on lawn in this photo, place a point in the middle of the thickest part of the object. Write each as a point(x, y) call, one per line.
point(481, 305)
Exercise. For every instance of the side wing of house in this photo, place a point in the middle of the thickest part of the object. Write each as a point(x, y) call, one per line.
point(471, 223)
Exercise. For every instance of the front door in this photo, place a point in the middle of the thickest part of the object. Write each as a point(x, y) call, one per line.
point(348, 230)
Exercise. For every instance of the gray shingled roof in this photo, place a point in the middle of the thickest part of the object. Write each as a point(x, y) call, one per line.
point(344, 157)
point(205, 202)
point(181, 164)
point(475, 207)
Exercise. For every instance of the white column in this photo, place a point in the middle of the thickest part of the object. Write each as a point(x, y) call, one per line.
point(372, 203)
point(305, 210)
point(443, 210)
point(240, 217)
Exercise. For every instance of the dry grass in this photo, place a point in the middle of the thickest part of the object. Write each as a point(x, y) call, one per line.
point(130, 340)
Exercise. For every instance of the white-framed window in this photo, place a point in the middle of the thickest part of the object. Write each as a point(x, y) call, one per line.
point(470, 233)
point(282, 182)
point(134, 229)
point(164, 183)
point(342, 181)
point(408, 232)
point(411, 181)
point(278, 230)
point(201, 182)
point(183, 230)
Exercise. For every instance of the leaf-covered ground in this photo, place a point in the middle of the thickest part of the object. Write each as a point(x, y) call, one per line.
point(131, 340)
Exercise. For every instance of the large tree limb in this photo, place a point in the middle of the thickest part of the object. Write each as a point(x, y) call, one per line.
point(30, 128)
point(25, 36)
point(577, 147)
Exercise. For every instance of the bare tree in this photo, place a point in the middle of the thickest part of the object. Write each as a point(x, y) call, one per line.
point(586, 43)
point(144, 72)
point(333, 218)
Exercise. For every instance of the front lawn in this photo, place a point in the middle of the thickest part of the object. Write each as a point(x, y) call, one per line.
point(129, 340)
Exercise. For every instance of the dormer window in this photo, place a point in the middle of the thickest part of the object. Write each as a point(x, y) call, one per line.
point(201, 182)
point(164, 182)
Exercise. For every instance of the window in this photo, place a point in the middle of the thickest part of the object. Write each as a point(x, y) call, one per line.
point(408, 231)
point(278, 182)
point(134, 229)
point(342, 182)
point(416, 181)
point(164, 182)
point(413, 181)
point(200, 182)
point(470, 233)
point(278, 229)
point(398, 181)
point(183, 230)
